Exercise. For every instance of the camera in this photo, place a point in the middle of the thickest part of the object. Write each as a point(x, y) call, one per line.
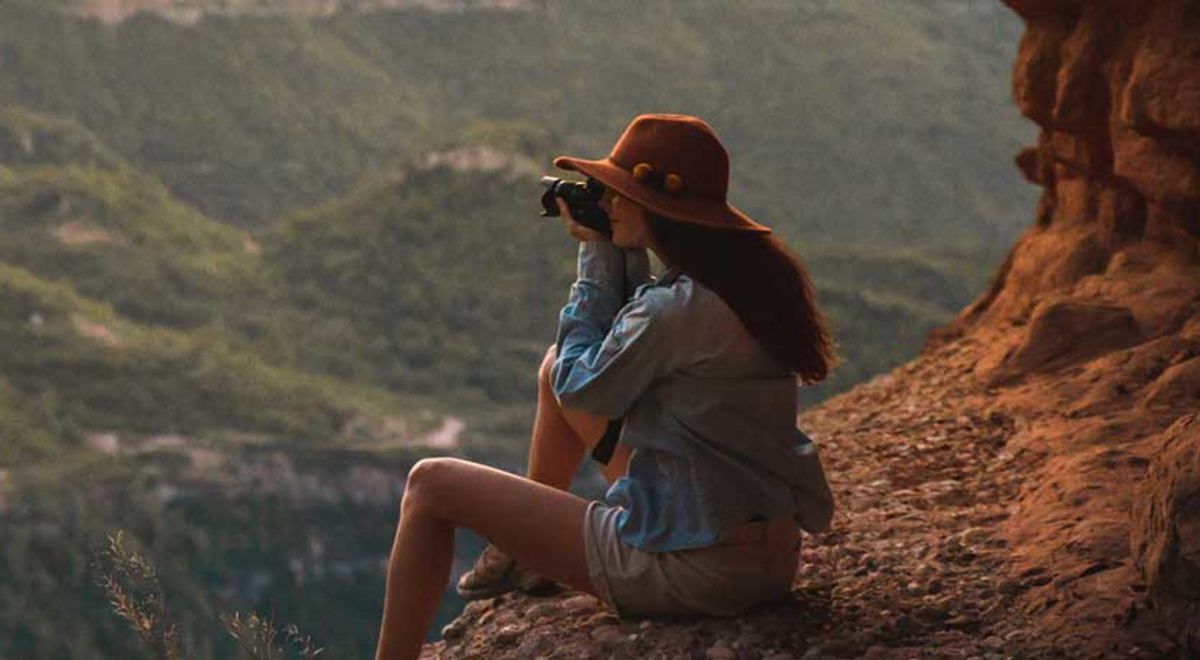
point(583, 200)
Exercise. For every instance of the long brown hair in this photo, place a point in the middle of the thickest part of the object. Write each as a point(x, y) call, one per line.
point(762, 281)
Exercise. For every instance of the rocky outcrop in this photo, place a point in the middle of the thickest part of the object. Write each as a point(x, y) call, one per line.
point(1166, 533)
point(1115, 88)
point(1089, 330)
point(1030, 485)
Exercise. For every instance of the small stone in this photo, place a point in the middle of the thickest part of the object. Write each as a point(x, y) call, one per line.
point(751, 639)
point(994, 612)
point(993, 642)
point(1010, 587)
point(504, 617)
point(476, 607)
point(541, 610)
point(720, 651)
point(608, 635)
point(577, 604)
point(905, 624)
point(508, 634)
point(975, 534)
point(932, 614)
point(453, 630)
point(601, 619)
point(534, 647)
point(779, 656)
point(835, 647)
point(964, 622)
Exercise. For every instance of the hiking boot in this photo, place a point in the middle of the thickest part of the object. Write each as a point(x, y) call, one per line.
point(495, 573)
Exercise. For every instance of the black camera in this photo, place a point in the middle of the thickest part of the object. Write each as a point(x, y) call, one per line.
point(583, 200)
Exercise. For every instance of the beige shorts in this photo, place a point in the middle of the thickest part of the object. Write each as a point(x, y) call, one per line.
point(751, 564)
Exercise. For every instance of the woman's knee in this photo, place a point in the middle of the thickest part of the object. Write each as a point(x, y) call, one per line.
point(426, 484)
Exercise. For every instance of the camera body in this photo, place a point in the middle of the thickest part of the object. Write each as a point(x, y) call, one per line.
point(583, 200)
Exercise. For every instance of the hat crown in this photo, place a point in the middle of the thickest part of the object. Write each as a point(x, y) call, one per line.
point(676, 144)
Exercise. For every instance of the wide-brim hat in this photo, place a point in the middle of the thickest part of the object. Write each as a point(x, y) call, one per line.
point(673, 165)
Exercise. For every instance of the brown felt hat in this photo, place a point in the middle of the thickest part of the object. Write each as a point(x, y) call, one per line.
point(673, 165)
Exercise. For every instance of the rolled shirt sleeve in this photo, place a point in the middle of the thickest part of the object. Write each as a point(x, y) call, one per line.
point(609, 351)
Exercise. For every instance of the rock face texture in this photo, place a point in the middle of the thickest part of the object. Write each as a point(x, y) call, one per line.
point(1028, 486)
point(1092, 320)
point(1166, 535)
point(1115, 88)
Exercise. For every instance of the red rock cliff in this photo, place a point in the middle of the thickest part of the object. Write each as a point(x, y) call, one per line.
point(1090, 332)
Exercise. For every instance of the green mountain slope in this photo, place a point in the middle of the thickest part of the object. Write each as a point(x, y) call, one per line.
point(28, 138)
point(71, 209)
point(127, 311)
point(106, 373)
point(853, 120)
point(448, 280)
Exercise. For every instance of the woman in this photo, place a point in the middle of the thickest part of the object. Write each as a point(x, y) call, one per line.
point(710, 478)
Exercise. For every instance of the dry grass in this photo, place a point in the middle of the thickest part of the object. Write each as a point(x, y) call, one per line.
point(257, 638)
point(134, 594)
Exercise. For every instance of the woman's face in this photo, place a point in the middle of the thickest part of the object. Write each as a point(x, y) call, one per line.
point(628, 220)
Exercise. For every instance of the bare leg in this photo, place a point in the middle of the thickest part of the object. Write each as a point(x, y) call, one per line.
point(562, 435)
point(444, 493)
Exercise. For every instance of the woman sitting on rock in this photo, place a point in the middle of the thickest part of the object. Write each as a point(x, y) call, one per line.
point(698, 371)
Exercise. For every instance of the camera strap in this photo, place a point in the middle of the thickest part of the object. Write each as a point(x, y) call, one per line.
point(604, 449)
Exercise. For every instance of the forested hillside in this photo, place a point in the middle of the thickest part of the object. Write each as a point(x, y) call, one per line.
point(255, 266)
point(132, 397)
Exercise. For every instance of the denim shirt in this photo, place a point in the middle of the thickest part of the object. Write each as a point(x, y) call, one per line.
point(709, 415)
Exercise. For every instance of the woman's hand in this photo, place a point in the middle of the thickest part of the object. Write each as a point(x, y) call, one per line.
point(575, 229)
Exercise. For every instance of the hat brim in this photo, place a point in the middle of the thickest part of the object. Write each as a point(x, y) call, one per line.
point(698, 210)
